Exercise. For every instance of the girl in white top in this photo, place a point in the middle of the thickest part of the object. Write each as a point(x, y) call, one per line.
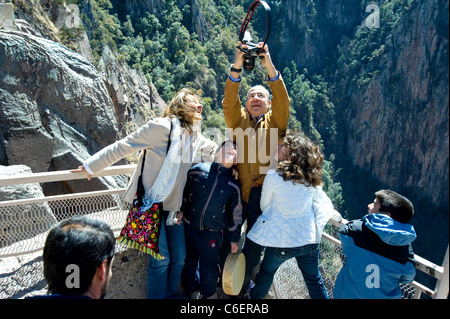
point(295, 210)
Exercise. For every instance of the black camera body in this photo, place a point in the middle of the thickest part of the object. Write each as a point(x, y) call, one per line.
point(250, 54)
point(253, 49)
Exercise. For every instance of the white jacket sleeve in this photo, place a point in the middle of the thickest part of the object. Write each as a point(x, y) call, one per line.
point(268, 189)
point(149, 135)
point(323, 209)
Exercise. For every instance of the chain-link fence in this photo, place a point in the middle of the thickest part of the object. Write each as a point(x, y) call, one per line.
point(24, 224)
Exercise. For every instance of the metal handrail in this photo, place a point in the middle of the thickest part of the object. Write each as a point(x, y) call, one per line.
point(58, 176)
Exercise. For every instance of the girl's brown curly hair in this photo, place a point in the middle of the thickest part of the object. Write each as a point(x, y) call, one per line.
point(305, 159)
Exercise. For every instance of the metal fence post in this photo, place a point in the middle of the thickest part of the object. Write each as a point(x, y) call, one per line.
point(442, 286)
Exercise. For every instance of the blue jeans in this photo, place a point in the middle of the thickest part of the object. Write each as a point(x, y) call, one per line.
point(308, 261)
point(163, 276)
point(251, 250)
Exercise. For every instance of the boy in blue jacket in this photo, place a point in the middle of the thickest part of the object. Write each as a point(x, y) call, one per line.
point(211, 206)
point(378, 250)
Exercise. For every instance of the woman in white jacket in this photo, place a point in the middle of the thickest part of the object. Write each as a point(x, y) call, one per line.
point(164, 175)
point(295, 210)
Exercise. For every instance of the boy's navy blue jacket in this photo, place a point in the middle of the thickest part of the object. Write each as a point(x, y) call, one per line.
point(379, 257)
point(212, 199)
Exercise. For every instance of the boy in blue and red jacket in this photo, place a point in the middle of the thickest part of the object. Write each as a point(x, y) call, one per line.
point(378, 251)
point(211, 206)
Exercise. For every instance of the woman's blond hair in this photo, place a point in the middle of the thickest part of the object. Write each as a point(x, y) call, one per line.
point(179, 107)
point(305, 159)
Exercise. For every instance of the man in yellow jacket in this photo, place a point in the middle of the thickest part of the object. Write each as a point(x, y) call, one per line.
point(257, 130)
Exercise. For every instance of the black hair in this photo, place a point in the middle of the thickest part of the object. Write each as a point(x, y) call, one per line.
point(78, 242)
point(226, 142)
point(398, 206)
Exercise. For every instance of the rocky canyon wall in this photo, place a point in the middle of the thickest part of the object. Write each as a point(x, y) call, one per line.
point(396, 125)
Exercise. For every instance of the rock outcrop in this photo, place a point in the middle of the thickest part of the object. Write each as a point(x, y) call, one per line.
point(48, 91)
point(135, 100)
point(55, 108)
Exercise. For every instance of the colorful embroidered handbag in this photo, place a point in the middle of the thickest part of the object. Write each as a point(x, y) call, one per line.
point(142, 228)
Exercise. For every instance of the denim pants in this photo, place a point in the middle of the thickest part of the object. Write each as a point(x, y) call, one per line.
point(251, 251)
point(308, 261)
point(202, 252)
point(163, 276)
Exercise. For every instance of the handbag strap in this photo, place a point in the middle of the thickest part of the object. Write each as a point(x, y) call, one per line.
point(140, 185)
point(167, 150)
